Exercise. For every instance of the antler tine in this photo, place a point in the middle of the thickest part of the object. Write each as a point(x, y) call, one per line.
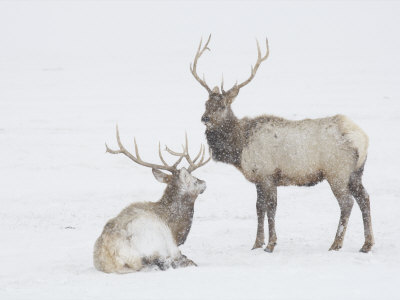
point(254, 69)
point(191, 162)
point(178, 162)
point(198, 155)
point(160, 155)
point(136, 149)
point(111, 151)
point(137, 158)
point(173, 152)
point(222, 83)
point(121, 147)
point(185, 154)
point(181, 155)
point(202, 156)
point(258, 50)
point(193, 68)
point(187, 149)
point(202, 151)
point(201, 163)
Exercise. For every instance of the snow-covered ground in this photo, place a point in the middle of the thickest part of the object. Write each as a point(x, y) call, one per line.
point(69, 71)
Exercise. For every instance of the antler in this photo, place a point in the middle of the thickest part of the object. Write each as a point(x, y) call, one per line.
point(139, 161)
point(192, 163)
point(193, 69)
point(258, 62)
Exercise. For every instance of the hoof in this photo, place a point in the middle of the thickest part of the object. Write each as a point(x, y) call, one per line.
point(188, 263)
point(257, 245)
point(191, 263)
point(270, 248)
point(366, 248)
point(335, 247)
point(183, 262)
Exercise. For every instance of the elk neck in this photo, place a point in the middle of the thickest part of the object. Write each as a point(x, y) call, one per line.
point(176, 209)
point(227, 140)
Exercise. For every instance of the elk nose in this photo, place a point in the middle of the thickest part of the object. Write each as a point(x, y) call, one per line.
point(205, 119)
point(202, 185)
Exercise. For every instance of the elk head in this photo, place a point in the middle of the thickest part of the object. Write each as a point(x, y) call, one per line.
point(180, 180)
point(218, 105)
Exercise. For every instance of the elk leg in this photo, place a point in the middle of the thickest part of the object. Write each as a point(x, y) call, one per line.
point(346, 202)
point(362, 198)
point(162, 263)
point(261, 207)
point(271, 201)
point(182, 262)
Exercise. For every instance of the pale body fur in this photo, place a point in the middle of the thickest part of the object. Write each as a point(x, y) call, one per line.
point(305, 149)
point(135, 234)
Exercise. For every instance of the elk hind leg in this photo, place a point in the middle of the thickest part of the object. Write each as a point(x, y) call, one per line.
point(160, 263)
point(360, 194)
point(346, 202)
point(271, 203)
point(261, 207)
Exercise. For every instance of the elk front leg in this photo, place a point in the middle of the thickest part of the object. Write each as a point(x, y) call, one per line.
point(182, 261)
point(266, 202)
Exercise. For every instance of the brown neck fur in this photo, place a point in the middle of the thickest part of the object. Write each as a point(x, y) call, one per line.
point(226, 141)
point(177, 210)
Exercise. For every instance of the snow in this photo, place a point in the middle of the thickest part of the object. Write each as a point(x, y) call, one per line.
point(69, 71)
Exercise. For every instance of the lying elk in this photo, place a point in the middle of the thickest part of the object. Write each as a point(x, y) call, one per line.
point(271, 151)
point(149, 233)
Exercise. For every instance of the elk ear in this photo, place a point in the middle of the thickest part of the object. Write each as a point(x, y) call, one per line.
point(184, 175)
point(215, 90)
point(160, 176)
point(231, 94)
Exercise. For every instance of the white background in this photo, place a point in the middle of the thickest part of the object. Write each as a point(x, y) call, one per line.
point(71, 70)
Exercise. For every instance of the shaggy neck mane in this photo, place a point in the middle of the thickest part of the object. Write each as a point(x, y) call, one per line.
point(227, 141)
point(176, 202)
point(177, 210)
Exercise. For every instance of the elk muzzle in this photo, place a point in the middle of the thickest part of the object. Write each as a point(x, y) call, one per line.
point(205, 119)
point(201, 185)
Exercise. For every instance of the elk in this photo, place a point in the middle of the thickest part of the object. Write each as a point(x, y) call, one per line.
point(147, 234)
point(271, 151)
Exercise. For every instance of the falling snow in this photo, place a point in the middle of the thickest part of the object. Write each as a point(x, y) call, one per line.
point(70, 71)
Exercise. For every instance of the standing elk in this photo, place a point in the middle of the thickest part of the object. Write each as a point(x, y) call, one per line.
point(149, 233)
point(271, 151)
